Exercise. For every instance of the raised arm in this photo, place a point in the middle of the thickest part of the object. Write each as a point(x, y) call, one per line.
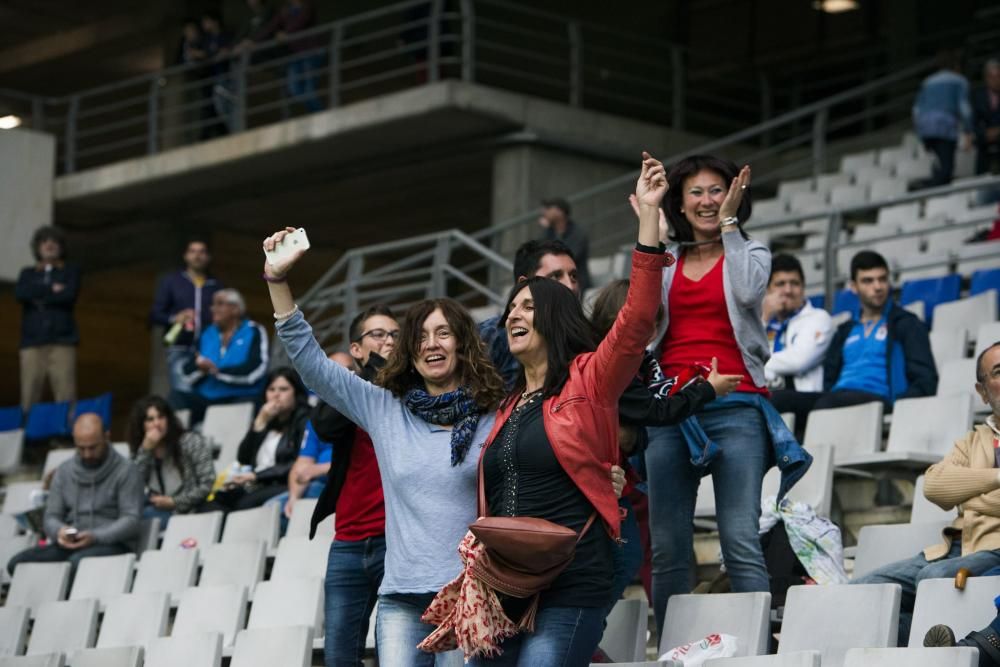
point(360, 401)
point(617, 359)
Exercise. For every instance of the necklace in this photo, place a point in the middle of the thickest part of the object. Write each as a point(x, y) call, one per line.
point(527, 397)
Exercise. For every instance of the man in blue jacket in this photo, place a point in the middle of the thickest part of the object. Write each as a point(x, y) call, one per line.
point(182, 306)
point(231, 363)
point(883, 353)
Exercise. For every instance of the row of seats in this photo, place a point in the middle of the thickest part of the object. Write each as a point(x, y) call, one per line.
point(829, 621)
point(289, 645)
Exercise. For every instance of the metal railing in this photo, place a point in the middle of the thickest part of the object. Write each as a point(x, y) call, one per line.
point(492, 42)
point(350, 284)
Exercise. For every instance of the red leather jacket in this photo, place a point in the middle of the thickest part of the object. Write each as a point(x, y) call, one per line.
point(581, 422)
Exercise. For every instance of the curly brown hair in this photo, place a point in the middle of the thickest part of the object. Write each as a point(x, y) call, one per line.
point(475, 370)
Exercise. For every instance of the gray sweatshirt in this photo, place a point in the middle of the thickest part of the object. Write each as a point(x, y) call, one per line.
point(429, 503)
point(106, 500)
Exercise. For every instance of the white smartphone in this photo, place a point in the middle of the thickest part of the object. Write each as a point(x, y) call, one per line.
point(291, 244)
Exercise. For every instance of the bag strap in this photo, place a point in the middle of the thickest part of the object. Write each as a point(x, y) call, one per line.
point(484, 512)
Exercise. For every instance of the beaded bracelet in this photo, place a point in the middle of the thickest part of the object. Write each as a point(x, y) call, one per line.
point(285, 316)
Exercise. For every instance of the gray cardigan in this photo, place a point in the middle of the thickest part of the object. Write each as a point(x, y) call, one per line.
point(198, 473)
point(744, 279)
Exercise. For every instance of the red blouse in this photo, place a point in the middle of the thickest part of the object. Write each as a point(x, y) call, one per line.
point(700, 328)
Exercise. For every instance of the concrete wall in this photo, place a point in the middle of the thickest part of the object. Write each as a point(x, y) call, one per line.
point(27, 166)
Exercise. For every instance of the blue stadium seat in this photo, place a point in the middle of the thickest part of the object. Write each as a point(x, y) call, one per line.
point(845, 301)
point(983, 280)
point(100, 405)
point(817, 300)
point(47, 420)
point(11, 418)
point(931, 291)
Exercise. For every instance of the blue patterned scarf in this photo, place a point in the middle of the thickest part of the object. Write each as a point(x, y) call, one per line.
point(456, 408)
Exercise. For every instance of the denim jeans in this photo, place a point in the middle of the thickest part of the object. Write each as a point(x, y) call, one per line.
point(563, 636)
point(301, 83)
point(627, 556)
point(151, 512)
point(910, 572)
point(737, 475)
point(353, 575)
point(398, 630)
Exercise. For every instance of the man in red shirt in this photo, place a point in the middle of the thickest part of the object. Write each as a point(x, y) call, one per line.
point(354, 494)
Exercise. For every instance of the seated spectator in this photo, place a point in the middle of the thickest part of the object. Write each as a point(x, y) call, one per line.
point(176, 466)
point(882, 353)
point(559, 226)
point(967, 478)
point(552, 259)
point(799, 334)
point(94, 503)
point(271, 445)
point(307, 478)
point(231, 360)
point(47, 291)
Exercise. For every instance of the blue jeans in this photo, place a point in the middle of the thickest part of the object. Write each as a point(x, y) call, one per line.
point(151, 512)
point(313, 490)
point(353, 575)
point(563, 636)
point(627, 556)
point(301, 83)
point(737, 474)
point(398, 630)
point(910, 572)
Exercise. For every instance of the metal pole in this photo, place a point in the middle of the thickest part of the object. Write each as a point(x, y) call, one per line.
point(575, 63)
point(152, 116)
point(677, 92)
point(830, 256)
point(336, 37)
point(69, 152)
point(355, 268)
point(240, 92)
point(38, 114)
point(442, 253)
point(819, 141)
point(434, 42)
point(468, 41)
point(766, 106)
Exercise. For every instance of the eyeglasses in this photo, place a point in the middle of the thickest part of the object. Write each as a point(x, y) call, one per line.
point(379, 335)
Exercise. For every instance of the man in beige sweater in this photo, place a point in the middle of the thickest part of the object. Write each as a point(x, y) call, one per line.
point(966, 479)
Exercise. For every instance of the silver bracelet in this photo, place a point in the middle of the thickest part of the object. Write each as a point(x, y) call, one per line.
point(731, 220)
point(284, 316)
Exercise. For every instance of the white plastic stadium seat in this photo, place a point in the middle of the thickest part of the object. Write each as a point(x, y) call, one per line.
point(949, 344)
point(195, 650)
point(958, 378)
point(289, 646)
point(924, 510)
point(102, 577)
point(833, 619)
point(794, 659)
point(744, 615)
point(239, 563)
point(134, 620)
point(851, 431)
point(13, 630)
point(259, 523)
point(220, 609)
point(815, 488)
point(35, 584)
point(624, 636)
point(169, 572)
point(938, 601)
point(63, 626)
point(120, 656)
point(204, 529)
point(225, 426)
point(880, 545)
point(47, 660)
point(297, 601)
point(300, 557)
point(954, 656)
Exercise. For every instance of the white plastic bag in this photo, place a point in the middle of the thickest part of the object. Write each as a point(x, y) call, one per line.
point(696, 653)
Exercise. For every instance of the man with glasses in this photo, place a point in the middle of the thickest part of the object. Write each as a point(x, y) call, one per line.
point(353, 494)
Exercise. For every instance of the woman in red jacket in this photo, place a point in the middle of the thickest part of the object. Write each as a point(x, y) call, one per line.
point(556, 438)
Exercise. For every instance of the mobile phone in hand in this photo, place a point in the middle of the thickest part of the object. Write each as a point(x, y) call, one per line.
point(289, 245)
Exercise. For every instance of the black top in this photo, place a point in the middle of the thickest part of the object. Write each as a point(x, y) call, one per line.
point(522, 477)
point(47, 317)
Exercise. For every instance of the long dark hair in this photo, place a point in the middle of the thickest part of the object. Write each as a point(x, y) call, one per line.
point(680, 228)
point(474, 368)
point(301, 395)
point(560, 321)
point(137, 428)
point(608, 302)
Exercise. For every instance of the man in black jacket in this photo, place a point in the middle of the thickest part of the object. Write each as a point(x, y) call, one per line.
point(986, 119)
point(883, 353)
point(354, 494)
point(47, 291)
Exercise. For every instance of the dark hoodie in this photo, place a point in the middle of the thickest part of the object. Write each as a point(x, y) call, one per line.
point(106, 500)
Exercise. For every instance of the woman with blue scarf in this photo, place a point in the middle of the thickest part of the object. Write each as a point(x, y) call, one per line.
point(428, 415)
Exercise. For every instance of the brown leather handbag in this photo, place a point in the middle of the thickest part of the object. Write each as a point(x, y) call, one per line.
point(523, 555)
